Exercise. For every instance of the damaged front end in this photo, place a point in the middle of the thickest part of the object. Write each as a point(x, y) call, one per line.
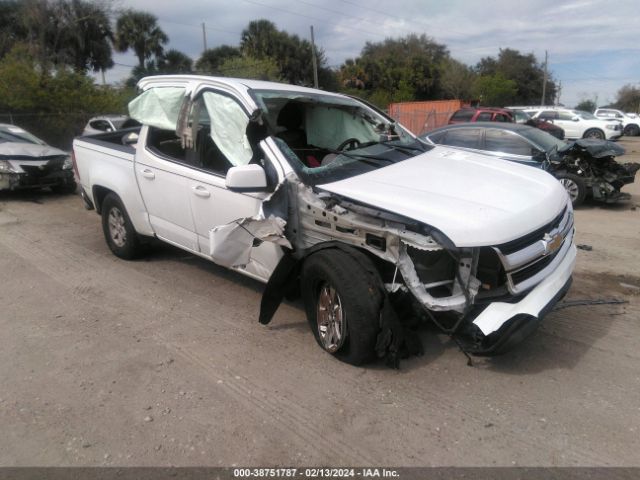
point(594, 161)
point(487, 298)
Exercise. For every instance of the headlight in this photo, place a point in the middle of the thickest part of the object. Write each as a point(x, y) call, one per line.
point(611, 127)
point(5, 167)
point(68, 163)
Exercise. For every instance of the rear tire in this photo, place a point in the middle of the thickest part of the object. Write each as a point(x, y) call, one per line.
point(118, 229)
point(632, 130)
point(574, 186)
point(594, 133)
point(342, 301)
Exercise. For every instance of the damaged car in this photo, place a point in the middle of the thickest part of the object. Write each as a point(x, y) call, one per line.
point(26, 162)
point(322, 196)
point(586, 167)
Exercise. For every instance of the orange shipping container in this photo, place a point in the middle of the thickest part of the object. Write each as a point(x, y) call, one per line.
point(422, 117)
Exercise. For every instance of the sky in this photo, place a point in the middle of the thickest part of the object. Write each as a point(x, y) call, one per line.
point(593, 45)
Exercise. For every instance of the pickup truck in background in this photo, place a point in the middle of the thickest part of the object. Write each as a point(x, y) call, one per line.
point(322, 195)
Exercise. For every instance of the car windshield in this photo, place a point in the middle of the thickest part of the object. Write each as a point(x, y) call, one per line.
point(11, 133)
point(585, 115)
point(521, 116)
point(543, 139)
point(329, 138)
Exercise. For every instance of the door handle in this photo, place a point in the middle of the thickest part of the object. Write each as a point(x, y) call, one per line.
point(146, 173)
point(200, 191)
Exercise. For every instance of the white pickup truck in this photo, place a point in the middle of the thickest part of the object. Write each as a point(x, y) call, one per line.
point(322, 195)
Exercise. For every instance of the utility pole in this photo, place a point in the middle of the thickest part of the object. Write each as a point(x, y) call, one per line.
point(314, 59)
point(204, 37)
point(559, 93)
point(544, 82)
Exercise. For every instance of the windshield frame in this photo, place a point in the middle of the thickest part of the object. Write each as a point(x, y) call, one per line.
point(394, 143)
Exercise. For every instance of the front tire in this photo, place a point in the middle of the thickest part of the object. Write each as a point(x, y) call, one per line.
point(574, 186)
point(342, 300)
point(118, 229)
point(594, 133)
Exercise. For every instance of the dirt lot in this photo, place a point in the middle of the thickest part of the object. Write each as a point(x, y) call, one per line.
point(162, 362)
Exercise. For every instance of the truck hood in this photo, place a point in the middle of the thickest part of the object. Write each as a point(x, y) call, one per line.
point(473, 199)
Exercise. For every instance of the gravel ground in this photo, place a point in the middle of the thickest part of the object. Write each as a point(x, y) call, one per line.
point(162, 362)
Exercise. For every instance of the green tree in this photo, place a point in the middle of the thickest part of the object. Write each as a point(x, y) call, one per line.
point(59, 33)
point(53, 105)
point(250, 67)
point(211, 59)
point(495, 90)
point(587, 106)
point(524, 70)
point(86, 36)
point(457, 80)
point(628, 99)
point(174, 61)
point(12, 29)
point(140, 32)
point(407, 68)
point(262, 39)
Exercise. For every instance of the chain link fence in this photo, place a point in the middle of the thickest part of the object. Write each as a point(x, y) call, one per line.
point(57, 129)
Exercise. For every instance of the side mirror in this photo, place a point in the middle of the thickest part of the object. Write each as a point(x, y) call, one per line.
point(576, 119)
point(130, 138)
point(246, 178)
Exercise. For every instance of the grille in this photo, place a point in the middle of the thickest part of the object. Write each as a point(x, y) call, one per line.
point(536, 235)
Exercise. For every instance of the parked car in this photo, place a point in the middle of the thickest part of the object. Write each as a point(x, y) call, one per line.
point(585, 167)
point(481, 114)
point(503, 115)
point(522, 117)
point(319, 193)
point(28, 162)
point(576, 123)
point(630, 123)
point(108, 123)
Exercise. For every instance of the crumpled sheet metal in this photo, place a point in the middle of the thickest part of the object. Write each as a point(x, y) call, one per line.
point(230, 245)
point(594, 147)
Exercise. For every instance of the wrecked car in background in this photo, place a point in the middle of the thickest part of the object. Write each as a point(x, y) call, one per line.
point(28, 162)
point(586, 168)
point(320, 195)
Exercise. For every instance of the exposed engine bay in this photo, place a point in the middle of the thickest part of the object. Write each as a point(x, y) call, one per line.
point(594, 161)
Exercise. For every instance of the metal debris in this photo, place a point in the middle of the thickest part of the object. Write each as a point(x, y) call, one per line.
point(579, 303)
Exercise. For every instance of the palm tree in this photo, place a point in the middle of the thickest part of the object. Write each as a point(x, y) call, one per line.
point(140, 31)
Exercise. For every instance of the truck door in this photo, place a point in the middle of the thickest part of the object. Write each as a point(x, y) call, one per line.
point(161, 167)
point(219, 126)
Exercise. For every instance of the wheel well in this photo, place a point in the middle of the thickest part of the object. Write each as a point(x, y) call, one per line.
point(99, 193)
point(383, 267)
point(592, 129)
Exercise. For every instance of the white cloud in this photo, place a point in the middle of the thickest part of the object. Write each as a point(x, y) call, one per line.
point(597, 33)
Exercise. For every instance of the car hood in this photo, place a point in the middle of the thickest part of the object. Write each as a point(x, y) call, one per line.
point(28, 151)
point(473, 199)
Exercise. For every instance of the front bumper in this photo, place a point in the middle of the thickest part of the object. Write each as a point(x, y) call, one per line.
point(501, 325)
point(19, 181)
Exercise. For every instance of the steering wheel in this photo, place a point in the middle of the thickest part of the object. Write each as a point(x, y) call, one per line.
point(352, 143)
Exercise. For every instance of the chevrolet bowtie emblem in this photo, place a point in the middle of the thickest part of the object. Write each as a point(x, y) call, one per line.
point(552, 244)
